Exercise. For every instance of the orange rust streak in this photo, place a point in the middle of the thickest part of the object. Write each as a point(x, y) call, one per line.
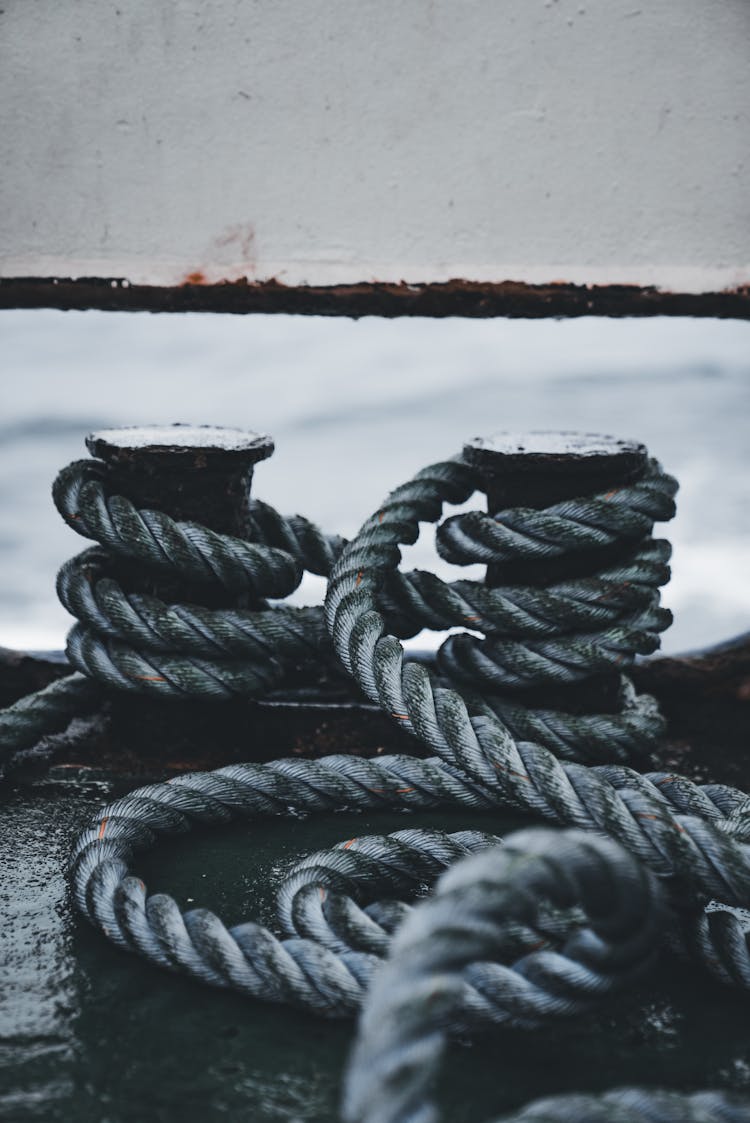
point(103, 827)
point(349, 843)
point(472, 619)
point(149, 678)
point(359, 579)
point(389, 791)
point(512, 772)
point(646, 815)
point(381, 516)
point(611, 494)
point(401, 717)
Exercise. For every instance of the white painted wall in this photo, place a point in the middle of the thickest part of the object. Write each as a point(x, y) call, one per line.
point(334, 141)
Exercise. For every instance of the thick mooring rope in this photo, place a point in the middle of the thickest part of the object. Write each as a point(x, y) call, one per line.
point(134, 642)
point(542, 925)
point(130, 641)
point(443, 946)
point(138, 643)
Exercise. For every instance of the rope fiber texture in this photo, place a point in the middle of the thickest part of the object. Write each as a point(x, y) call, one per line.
point(135, 642)
point(541, 926)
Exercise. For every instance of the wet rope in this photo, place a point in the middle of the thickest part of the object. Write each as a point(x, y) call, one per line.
point(32, 720)
point(445, 943)
point(575, 917)
point(134, 642)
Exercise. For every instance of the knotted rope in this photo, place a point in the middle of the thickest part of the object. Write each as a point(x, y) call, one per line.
point(563, 920)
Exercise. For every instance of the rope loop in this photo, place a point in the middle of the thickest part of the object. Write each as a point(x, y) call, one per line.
point(136, 642)
point(540, 924)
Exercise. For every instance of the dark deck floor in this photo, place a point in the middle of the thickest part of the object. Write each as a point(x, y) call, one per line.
point(90, 1034)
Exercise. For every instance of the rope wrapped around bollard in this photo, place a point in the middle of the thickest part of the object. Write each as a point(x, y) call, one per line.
point(134, 640)
point(137, 641)
point(563, 919)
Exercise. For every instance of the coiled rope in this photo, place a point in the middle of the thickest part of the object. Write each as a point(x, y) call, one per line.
point(446, 942)
point(588, 919)
point(135, 642)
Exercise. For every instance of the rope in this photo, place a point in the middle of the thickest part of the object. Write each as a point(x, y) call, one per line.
point(135, 642)
point(442, 945)
point(678, 872)
point(329, 898)
point(47, 712)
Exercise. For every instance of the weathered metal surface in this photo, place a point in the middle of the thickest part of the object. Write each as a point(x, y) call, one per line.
point(316, 148)
point(705, 697)
point(201, 473)
point(466, 298)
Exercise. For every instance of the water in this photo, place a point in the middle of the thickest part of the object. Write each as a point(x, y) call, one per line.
point(356, 407)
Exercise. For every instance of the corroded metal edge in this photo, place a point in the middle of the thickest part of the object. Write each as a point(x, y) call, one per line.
point(473, 299)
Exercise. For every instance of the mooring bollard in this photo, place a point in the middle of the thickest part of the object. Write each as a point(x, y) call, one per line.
point(200, 474)
point(195, 473)
point(537, 469)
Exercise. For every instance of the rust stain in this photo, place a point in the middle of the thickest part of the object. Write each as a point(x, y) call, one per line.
point(232, 249)
point(241, 236)
point(457, 297)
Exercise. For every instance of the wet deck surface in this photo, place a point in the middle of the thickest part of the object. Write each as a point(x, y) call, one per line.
point(93, 1034)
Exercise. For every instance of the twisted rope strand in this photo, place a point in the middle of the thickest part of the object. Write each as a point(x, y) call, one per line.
point(542, 926)
point(185, 548)
point(44, 713)
point(136, 643)
point(586, 604)
point(590, 738)
point(413, 997)
point(315, 551)
point(700, 855)
point(620, 515)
